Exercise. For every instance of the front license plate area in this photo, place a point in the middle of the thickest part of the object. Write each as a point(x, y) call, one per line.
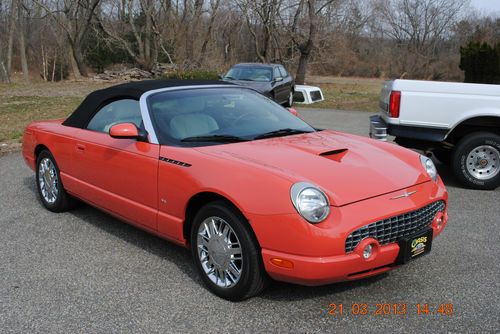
point(415, 246)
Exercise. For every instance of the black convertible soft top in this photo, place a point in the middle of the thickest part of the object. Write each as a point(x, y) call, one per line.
point(132, 90)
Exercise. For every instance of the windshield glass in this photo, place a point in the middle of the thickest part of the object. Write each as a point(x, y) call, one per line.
point(208, 116)
point(250, 74)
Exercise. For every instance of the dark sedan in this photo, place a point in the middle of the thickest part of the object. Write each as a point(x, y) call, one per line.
point(271, 80)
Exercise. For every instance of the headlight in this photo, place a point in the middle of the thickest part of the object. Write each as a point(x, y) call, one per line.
point(310, 202)
point(429, 166)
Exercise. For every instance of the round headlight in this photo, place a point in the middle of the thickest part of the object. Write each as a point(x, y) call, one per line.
point(429, 166)
point(310, 202)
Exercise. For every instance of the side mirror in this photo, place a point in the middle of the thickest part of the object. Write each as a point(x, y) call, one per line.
point(221, 76)
point(127, 131)
point(293, 111)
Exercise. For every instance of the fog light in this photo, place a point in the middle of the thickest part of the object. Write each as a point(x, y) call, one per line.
point(367, 252)
point(439, 222)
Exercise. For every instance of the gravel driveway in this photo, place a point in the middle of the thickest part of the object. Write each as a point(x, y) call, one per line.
point(85, 272)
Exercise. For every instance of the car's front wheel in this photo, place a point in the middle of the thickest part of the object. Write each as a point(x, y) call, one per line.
point(476, 161)
point(225, 252)
point(49, 185)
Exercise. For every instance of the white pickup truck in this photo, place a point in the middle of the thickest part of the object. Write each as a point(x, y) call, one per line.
point(458, 123)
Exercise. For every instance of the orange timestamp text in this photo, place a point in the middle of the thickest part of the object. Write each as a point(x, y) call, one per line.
point(386, 309)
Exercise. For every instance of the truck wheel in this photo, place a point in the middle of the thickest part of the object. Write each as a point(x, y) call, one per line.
point(476, 161)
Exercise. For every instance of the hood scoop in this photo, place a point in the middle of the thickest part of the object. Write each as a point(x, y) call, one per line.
point(335, 155)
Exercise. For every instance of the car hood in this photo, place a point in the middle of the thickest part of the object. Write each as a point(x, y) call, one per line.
point(260, 86)
point(347, 167)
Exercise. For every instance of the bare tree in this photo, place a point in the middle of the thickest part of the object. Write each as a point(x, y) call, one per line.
point(4, 75)
point(333, 37)
point(12, 28)
point(22, 46)
point(214, 6)
point(303, 21)
point(261, 17)
point(419, 25)
point(142, 23)
point(74, 18)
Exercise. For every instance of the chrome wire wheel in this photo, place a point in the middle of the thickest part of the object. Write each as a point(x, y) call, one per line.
point(483, 162)
point(48, 180)
point(219, 252)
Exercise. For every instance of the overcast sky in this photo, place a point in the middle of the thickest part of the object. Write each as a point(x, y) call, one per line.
point(488, 6)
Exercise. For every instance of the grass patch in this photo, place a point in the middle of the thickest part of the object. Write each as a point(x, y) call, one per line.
point(18, 111)
point(348, 93)
point(21, 103)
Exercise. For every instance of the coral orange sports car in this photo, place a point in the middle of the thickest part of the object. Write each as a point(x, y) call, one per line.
point(250, 188)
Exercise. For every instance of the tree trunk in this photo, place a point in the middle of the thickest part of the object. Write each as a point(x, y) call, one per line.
point(12, 27)
point(203, 50)
point(300, 77)
point(147, 38)
point(307, 47)
point(74, 65)
point(3, 73)
point(22, 46)
point(3, 70)
point(78, 57)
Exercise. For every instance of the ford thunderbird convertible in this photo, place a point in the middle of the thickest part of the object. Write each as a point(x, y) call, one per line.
point(254, 191)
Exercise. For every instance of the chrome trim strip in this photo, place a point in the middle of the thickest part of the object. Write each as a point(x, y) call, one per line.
point(146, 117)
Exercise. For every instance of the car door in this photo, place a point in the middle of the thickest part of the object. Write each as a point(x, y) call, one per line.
point(118, 175)
point(287, 81)
point(279, 90)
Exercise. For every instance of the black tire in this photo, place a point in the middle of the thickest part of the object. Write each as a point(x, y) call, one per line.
point(465, 147)
point(289, 102)
point(63, 201)
point(443, 155)
point(253, 278)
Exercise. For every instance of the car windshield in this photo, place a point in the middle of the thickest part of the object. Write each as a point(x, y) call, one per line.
point(208, 116)
point(249, 74)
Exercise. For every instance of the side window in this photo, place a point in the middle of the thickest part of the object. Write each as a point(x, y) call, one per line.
point(277, 73)
point(120, 111)
point(284, 73)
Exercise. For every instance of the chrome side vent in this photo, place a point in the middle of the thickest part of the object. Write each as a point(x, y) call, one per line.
point(175, 162)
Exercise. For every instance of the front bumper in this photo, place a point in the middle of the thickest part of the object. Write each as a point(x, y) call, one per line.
point(378, 128)
point(315, 254)
point(325, 270)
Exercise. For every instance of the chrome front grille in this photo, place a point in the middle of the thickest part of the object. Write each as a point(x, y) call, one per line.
point(394, 228)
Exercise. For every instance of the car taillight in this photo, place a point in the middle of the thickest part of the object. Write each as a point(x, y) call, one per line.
point(394, 103)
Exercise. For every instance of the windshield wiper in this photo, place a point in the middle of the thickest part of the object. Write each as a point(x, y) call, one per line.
point(215, 138)
point(281, 133)
point(229, 78)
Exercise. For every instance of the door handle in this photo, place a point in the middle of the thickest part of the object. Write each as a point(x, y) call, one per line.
point(80, 147)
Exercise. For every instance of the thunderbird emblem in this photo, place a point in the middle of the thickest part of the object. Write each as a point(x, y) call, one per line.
point(404, 195)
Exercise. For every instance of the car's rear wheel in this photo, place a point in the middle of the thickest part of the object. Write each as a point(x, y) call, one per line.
point(225, 252)
point(476, 161)
point(49, 185)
